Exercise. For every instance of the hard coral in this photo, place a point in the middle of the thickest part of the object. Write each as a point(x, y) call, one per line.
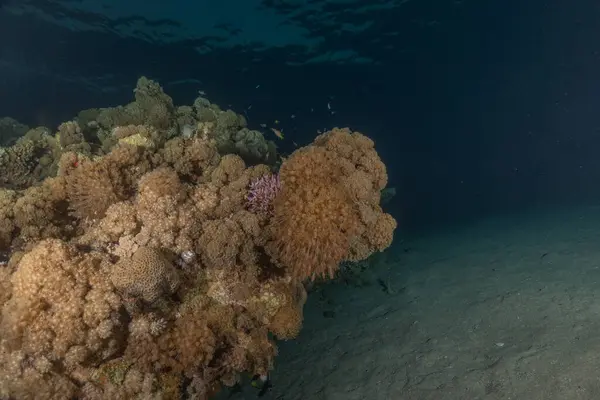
point(148, 275)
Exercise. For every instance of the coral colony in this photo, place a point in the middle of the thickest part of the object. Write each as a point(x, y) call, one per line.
point(142, 258)
point(262, 192)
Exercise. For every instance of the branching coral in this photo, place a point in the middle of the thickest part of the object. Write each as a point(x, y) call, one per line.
point(143, 273)
point(262, 192)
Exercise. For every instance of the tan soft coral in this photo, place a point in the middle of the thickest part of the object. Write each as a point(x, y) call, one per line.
point(192, 158)
point(278, 304)
point(165, 217)
point(220, 242)
point(92, 189)
point(63, 314)
point(28, 161)
point(41, 212)
point(187, 344)
point(232, 178)
point(7, 225)
point(287, 320)
point(314, 218)
point(119, 222)
point(70, 138)
point(327, 210)
point(364, 176)
point(94, 186)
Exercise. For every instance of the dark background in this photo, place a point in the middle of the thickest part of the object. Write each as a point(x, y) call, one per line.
point(478, 108)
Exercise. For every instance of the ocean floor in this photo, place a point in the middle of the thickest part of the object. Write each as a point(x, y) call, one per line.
point(506, 308)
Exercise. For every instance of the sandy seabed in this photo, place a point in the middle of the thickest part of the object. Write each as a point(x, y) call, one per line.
point(506, 308)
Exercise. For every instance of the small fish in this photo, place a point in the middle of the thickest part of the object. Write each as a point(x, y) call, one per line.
point(277, 133)
point(328, 106)
point(293, 116)
point(257, 86)
point(201, 92)
point(249, 107)
point(263, 125)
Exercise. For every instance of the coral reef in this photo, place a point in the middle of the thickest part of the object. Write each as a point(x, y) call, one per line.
point(135, 267)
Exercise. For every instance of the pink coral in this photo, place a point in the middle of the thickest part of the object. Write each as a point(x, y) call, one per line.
point(262, 192)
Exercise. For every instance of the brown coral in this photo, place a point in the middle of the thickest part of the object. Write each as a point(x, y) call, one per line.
point(192, 158)
point(328, 207)
point(148, 275)
point(92, 189)
point(287, 320)
point(41, 212)
point(24, 163)
point(7, 225)
point(166, 220)
point(94, 186)
point(71, 138)
point(314, 218)
point(62, 315)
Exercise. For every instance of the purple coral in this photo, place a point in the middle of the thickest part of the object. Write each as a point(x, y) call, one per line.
point(262, 192)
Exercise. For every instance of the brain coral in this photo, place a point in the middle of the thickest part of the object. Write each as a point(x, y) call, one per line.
point(147, 275)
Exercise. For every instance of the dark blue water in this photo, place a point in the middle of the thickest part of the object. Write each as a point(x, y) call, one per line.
point(476, 107)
